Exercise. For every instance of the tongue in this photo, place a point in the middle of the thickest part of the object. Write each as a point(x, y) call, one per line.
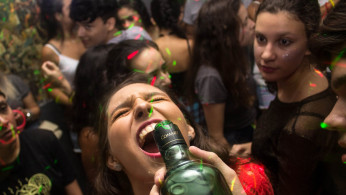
point(150, 145)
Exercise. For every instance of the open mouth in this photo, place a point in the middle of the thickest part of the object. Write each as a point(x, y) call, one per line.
point(146, 141)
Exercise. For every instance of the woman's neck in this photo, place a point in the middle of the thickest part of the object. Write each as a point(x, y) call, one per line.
point(304, 82)
point(165, 32)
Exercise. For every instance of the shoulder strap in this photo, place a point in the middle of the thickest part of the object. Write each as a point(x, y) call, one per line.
point(52, 47)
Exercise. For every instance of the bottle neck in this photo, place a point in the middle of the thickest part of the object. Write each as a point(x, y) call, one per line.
point(176, 155)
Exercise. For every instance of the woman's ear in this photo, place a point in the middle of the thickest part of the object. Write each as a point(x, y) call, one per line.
point(191, 132)
point(153, 21)
point(307, 52)
point(110, 23)
point(114, 164)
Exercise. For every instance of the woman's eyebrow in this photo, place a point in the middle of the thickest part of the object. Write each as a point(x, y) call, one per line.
point(339, 81)
point(128, 101)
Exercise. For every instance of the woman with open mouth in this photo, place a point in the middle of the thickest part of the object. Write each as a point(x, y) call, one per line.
point(129, 156)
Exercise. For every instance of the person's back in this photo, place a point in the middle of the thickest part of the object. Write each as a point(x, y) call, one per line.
point(176, 52)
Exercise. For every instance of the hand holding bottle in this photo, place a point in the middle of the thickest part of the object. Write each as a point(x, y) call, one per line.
point(210, 158)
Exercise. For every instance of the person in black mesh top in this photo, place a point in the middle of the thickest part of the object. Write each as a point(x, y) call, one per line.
point(329, 45)
point(289, 140)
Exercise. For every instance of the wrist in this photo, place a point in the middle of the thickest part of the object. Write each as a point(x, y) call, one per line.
point(28, 115)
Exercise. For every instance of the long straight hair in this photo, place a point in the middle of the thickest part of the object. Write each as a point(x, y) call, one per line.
point(216, 44)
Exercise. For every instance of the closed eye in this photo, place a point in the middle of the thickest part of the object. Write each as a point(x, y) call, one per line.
point(157, 99)
point(119, 113)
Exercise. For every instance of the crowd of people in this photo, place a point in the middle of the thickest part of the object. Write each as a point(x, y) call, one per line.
point(116, 68)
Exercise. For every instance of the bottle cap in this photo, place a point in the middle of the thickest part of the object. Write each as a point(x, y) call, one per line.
point(167, 134)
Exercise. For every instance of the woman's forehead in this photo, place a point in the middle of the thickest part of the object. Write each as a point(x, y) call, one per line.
point(137, 89)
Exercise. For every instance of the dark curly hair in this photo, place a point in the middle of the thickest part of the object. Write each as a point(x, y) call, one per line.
point(89, 10)
point(331, 38)
point(140, 8)
point(166, 15)
point(47, 16)
point(308, 12)
point(216, 44)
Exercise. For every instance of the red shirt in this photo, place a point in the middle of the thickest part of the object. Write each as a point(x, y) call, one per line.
point(252, 176)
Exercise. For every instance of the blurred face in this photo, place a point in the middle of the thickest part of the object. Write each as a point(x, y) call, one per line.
point(247, 33)
point(93, 33)
point(133, 112)
point(129, 17)
point(337, 118)
point(151, 62)
point(280, 45)
point(66, 13)
point(8, 133)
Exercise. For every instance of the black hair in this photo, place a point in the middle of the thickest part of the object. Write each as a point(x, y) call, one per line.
point(89, 10)
point(140, 8)
point(47, 16)
point(118, 64)
point(308, 12)
point(331, 38)
point(166, 15)
point(89, 82)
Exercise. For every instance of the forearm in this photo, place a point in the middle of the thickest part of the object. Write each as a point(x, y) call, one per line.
point(214, 115)
point(60, 97)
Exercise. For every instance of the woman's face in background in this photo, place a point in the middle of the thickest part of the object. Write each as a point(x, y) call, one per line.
point(280, 45)
point(129, 17)
point(66, 13)
point(247, 27)
point(151, 62)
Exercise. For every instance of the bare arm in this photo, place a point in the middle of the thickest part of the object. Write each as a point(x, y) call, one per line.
point(73, 188)
point(49, 55)
point(53, 74)
point(214, 116)
point(60, 97)
point(88, 142)
point(31, 106)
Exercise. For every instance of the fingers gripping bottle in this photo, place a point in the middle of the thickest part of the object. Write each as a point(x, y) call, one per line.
point(184, 175)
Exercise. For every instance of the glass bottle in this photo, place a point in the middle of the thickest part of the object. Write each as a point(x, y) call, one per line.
point(185, 175)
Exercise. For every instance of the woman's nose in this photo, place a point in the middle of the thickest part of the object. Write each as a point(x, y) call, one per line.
point(142, 109)
point(268, 53)
point(336, 120)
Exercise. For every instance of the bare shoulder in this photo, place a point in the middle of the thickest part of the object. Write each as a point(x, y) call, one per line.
point(49, 55)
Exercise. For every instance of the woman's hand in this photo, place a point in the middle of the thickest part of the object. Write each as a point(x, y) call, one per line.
point(51, 72)
point(210, 158)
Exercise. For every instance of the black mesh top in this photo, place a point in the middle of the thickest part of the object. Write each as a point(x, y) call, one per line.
point(291, 144)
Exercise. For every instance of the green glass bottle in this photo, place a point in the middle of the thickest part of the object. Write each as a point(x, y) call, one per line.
point(184, 175)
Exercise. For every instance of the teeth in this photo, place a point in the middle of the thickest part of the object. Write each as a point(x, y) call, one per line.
point(145, 131)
